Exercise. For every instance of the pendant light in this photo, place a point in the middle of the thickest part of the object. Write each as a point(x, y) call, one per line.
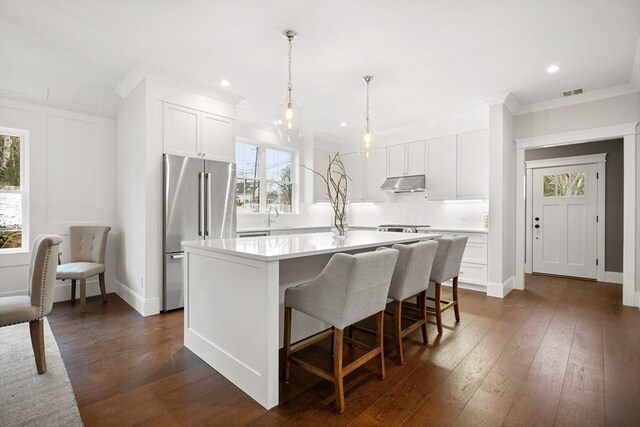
point(289, 118)
point(367, 139)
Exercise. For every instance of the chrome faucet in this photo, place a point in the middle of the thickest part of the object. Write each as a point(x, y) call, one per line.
point(269, 220)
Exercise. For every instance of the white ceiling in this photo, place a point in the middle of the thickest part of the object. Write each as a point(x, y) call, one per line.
point(429, 59)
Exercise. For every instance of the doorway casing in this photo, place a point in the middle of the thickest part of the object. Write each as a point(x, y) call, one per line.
point(628, 132)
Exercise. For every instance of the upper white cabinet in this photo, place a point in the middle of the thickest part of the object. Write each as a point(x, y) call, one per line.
point(354, 166)
point(406, 159)
point(458, 166)
point(473, 165)
point(320, 164)
point(194, 133)
point(375, 174)
point(441, 168)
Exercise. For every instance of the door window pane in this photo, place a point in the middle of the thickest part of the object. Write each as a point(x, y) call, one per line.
point(563, 185)
point(577, 184)
point(549, 185)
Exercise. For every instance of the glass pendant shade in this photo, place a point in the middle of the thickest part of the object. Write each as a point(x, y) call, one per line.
point(367, 143)
point(289, 120)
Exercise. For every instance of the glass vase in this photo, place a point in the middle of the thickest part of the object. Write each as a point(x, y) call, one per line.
point(340, 224)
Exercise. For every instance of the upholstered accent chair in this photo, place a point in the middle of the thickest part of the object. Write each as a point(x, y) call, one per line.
point(33, 308)
point(88, 247)
point(446, 266)
point(349, 289)
point(410, 280)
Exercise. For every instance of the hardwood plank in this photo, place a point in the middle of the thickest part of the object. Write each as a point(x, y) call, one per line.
point(582, 398)
point(537, 400)
point(490, 405)
point(621, 327)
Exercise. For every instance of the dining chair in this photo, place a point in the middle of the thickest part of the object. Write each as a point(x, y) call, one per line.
point(349, 289)
point(446, 266)
point(34, 307)
point(88, 247)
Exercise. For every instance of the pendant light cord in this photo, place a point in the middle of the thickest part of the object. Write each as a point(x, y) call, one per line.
point(289, 85)
point(367, 80)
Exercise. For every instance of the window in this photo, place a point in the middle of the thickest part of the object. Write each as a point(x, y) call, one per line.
point(264, 179)
point(564, 184)
point(11, 189)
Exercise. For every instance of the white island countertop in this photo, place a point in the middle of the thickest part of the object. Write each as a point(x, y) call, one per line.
point(273, 248)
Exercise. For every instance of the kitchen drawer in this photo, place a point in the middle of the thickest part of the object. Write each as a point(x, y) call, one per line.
point(474, 273)
point(475, 253)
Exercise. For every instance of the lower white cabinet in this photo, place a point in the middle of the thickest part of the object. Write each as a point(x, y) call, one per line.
point(473, 269)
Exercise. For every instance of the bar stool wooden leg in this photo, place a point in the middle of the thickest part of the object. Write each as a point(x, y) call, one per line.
point(456, 307)
point(438, 309)
point(338, 380)
point(73, 289)
point(287, 343)
point(423, 312)
point(36, 328)
point(380, 343)
point(397, 329)
point(83, 294)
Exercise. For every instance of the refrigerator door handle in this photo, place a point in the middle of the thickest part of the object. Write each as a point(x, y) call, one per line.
point(200, 205)
point(207, 203)
point(177, 256)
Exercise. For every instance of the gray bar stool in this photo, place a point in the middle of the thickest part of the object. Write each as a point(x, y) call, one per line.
point(411, 279)
point(446, 266)
point(349, 289)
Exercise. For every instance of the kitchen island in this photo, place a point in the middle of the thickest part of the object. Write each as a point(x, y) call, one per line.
point(234, 295)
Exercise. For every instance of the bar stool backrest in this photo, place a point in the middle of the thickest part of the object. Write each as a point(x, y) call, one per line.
point(448, 258)
point(413, 269)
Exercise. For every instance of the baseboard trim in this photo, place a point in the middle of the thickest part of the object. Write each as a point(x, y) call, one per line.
point(477, 287)
point(146, 307)
point(500, 290)
point(613, 277)
point(62, 290)
point(638, 299)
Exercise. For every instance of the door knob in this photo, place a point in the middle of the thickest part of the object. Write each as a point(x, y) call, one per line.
point(537, 219)
point(537, 226)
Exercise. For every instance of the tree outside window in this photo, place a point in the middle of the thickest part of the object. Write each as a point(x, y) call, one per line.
point(10, 192)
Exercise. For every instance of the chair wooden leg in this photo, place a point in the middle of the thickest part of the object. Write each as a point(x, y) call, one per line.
point(397, 330)
point(380, 343)
point(287, 343)
point(423, 311)
point(73, 289)
point(338, 379)
point(331, 348)
point(36, 328)
point(456, 307)
point(83, 294)
point(438, 309)
point(103, 287)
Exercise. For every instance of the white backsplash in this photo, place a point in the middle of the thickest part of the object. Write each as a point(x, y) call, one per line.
point(404, 209)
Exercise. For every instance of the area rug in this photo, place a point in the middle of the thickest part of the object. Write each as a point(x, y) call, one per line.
point(29, 399)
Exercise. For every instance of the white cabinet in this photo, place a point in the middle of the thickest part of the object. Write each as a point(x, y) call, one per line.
point(473, 165)
point(218, 140)
point(396, 160)
point(458, 166)
point(375, 174)
point(441, 168)
point(194, 133)
point(473, 269)
point(354, 166)
point(406, 159)
point(181, 128)
point(415, 158)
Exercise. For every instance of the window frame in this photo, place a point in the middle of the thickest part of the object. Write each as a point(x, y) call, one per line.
point(23, 134)
point(262, 174)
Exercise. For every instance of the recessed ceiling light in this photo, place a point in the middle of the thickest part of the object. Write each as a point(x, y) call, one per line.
point(343, 124)
point(553, 68)
point(225, 83)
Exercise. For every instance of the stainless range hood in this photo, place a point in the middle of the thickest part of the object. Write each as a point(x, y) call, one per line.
point(404, 184)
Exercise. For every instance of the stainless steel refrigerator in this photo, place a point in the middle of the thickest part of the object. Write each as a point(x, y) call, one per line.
point(199, 204)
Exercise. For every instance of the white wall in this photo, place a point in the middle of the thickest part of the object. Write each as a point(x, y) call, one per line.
point(71, 166)
point(604, 112)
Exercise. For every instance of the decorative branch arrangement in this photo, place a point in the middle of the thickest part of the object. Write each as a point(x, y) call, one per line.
point(336, 180)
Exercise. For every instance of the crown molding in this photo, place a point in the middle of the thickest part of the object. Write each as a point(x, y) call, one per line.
point(578, 136)
point(635, 70)
point(506, 99)
point(139, 73)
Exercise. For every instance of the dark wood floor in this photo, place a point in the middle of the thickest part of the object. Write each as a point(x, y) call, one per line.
point(563, 352)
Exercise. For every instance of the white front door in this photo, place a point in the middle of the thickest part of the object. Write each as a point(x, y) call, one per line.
point(564, 220)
